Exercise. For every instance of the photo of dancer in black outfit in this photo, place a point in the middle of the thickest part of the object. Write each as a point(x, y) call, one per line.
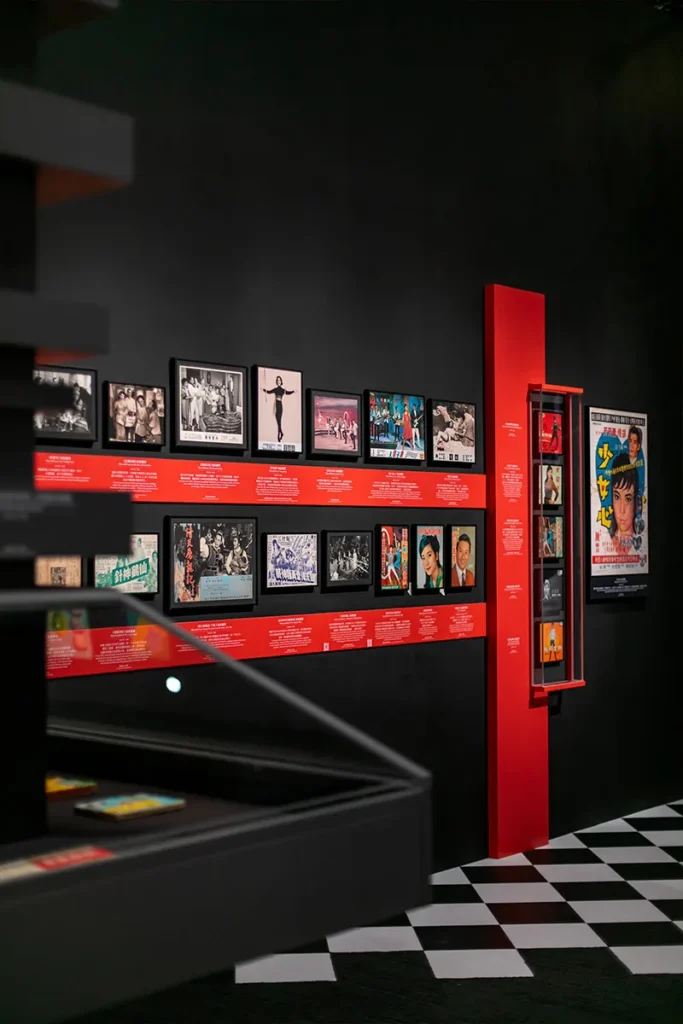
point(279, 419)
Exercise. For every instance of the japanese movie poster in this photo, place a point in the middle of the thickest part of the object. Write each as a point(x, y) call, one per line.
point(618, 501)
point(348, 558)
point(550, 484)
point(210, 405)
point(137, 573)
point(213, 561)
point(550, 542)
point(279, 426)
point(396, 426)
point(291, 560)
point(453, 431)
point(551, 433)
point(552, 641)
point(394, 558)
point(463, 556)
point(428, 555)
point(58, 571)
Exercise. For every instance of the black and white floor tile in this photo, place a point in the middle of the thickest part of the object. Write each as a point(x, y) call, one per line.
point(616, 887)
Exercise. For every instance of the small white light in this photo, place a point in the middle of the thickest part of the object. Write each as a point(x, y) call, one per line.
point(173, 685)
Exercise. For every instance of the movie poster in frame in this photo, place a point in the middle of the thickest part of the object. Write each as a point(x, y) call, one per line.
point(291, 560)
point(78, 420)
point(550, 434)
point(428, 559)
point(58, 571)
point(278, 405)
point(618, 516)
point(550, 536)
point(394, 559)
point(550, 484)
point(334, 424)
point(211, 405)
point(135, 415)
point(395, 425)
point(212, 562)
point(348, 558)
point(452, 432)
point(136, 573)
point(463, 562)
point(551, 641)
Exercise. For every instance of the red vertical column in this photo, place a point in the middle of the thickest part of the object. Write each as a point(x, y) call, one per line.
point(517, 729)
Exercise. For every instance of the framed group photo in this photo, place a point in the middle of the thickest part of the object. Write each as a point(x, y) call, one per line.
point(348, 558)
point(334, 424)
point(278, 403)
point(210, 405)
point(212, 562)
point(136, 415)
point(77, 421)
point(395, 426)
point(452, 432)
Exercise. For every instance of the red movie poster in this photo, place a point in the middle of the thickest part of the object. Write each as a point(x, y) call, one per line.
point(551, 433)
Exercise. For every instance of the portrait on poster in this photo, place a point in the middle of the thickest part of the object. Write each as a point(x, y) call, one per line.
point(550, 484)
point(394, 550)
point(279, 417)
point(136, 414)
point(213, 562)
point(136, 573)
point(58, 571)
point(76, 421)
point(396, 426)
point(428, 550)
point(550, 542)
point(619, 535)
point(552, 641)
point(550, 433)
point(549, 592)
point(452, 427)
point(463, 556)
point(334, 424)
point(291, 560)
point(348, 558)
point(210, 405)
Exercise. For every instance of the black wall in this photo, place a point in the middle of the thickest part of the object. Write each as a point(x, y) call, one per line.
point(330, 187)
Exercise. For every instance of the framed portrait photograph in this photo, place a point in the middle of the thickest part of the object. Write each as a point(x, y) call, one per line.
point(78, 420)
point(549, 592)
point(550, 541)
point(58, 571)
point(210, 405)
point(137, 573)
point(136, 415)
point(463, 556)
point(291, 560)
point(279, 410)
point(552, 641)
point(394, 555)
point(428, 556)
point(619, 536)
point(348, 558)
point(334, 424)
point(452, 431)
point(213, 562)
point(550, 484)
point(550, 433)
point(395, 426)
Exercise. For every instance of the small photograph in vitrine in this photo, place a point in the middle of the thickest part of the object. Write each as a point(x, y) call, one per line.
point(550, 484)
point(550, 543)
point(552, 641)
point(334, 423)
point(549, 592)
point(58, 571)
point(394, 552)
point(136, 415)
point(551, 433)
point(348, 558)
point(76, 421)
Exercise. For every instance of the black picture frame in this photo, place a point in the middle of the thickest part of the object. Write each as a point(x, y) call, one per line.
point(473, 535)
point(181, 443)
point(313, 450)
point(288, 588)
point(384, 455)
point(347, 582)
point(69, 437)
point(258, 411)
point(198, 607)
point(557, 468)
point(380, 589)
point(434, 459)
point(135, 445)
point(416, 573)
point(136, 593)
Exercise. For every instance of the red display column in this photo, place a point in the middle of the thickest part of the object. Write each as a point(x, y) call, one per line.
point(517, 729)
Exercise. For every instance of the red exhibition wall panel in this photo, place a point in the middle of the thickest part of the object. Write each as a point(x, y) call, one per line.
point(518, 728)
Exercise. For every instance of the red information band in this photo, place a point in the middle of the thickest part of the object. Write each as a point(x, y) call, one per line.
point(208, 481)
point(90, 652)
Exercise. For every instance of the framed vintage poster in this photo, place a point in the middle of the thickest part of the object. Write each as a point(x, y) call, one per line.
point(549, 592)
point(291, 560)
point(334, 424)
point(550, 540)
point(348, 558)
point(395, 426)
point(394, 554)
point(463, 564)
point(212, 562)
point(452, 431)
point(136, 573)
point(58, 571)
point(550, 433)
point(78, 420)
point(618, 516)
point(136, 415)
point(551, 641)
point(428, 552)
point(550, 482)
point(210, 405)
point(279, 410)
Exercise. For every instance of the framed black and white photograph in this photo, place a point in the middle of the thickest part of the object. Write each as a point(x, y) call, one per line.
point(452, 432)
point(334, 424)
point(136, 415)
point(210, 405)
point(212, 562)
point(348, 558)
point(78, 420)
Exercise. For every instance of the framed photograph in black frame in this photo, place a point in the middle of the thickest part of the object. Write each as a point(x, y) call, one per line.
point(334, 424)
point(348, 558)
point(212, 562)
point(210, 405)
point(395, 425)
point(135, 415)
point(278, 411)
point(452, 432)
point(393, 557)
point(290, 561)
point(77, 422)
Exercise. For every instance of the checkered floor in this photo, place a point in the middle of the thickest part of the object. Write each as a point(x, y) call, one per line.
point(618, 885)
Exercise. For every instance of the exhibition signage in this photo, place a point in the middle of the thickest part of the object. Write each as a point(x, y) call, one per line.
point(209, 481)
point(85, 652)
